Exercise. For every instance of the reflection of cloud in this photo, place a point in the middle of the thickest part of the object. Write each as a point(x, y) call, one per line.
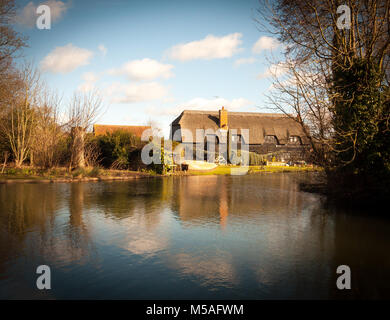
point(146, 245)
point(212, 270)
point(141, 228)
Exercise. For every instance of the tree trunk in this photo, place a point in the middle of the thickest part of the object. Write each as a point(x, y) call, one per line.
point(31, 159)
point(18, 161)
point(78, 134)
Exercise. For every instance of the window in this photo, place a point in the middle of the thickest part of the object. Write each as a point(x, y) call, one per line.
point(271, 139)
point(294, 140)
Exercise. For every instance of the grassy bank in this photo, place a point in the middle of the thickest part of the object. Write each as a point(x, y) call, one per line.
point(225, 170)
point(31, 174)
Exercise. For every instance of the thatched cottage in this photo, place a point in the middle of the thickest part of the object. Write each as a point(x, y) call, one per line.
point(268, 132)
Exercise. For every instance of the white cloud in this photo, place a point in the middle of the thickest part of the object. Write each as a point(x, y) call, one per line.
point(215, 104)
point(265, 43)
point(211, 47)
point(66, 59)
point(241, 61)
point(102, 49)
point(130, 93)
point(294, 79)
point(28, 16)
point(86, 86)
point(274, 70)
point(90, 80)
point(145, 69)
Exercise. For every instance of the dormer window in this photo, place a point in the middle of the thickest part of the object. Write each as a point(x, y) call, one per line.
point(294, 140)
point(271, 139)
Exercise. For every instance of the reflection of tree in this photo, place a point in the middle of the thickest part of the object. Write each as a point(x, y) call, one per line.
point(78, 234)
point(76, 205)
point(362, 242)
point(304, 243)
point(31, 223)
point(139, 199)
point(25, 208)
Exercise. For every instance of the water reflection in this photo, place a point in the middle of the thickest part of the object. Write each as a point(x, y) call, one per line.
point(209, 271)
point(187, 237)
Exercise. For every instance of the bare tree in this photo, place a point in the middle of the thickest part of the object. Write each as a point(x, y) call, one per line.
point(83, 111)
point(91, 153)
point(302, 94)
point(10, 40)
point(19, 119)
point(310, 29)
point(10, 43)
point(48, 131)
point(316, 49)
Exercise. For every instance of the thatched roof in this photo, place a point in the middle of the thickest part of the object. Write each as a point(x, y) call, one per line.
point(102, 129)
point(259, 124)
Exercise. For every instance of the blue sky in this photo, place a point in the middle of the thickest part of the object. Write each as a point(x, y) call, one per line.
point(153, 59)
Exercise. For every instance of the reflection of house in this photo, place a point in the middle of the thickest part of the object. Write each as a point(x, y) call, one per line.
point(217, 200)
point(267, 132)
point(102, 129)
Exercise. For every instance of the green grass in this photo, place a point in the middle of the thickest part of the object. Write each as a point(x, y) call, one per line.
point(220, 170)
point(256, 169)
point(224, 170)
point(63, 172)
point(31, 173)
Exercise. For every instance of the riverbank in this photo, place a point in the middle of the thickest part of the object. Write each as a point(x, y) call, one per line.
point(227, 170)
point(34, 175)
point(31, 175)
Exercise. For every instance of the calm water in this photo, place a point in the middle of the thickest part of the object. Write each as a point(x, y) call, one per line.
point(202, 237)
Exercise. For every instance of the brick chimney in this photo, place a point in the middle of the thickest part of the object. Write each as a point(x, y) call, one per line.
point(223, 119)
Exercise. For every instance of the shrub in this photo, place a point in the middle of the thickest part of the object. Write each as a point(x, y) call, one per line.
point(118, 149)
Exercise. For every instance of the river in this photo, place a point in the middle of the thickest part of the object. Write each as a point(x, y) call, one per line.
point(190, 237)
